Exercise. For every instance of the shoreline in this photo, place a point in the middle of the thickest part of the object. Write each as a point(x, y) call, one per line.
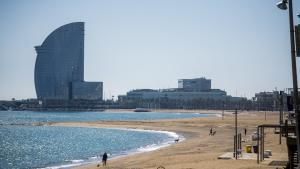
point(146, 148)
point(183, 111)
point(198, 111)
point(199, 149)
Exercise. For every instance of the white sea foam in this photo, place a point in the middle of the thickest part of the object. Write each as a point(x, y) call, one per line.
point(169, 133)
point(152, 147)
point(92, 158)
point(218, 115)
point(64, 166)
point(149, 148)
point(76, 161)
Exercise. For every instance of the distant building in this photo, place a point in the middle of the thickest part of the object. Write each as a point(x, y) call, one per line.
point(269, 100)
point(195, 85)
point(59, 67)
point(188, 89)
point(266, 96)
point(174, 94)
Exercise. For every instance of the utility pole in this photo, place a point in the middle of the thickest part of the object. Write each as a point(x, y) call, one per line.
point(223, 111)
point(294, 73)
point(236, 134)
point(283, 5)
point(280, 113)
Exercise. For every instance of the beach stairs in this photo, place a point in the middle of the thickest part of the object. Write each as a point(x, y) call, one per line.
point(295, 159)
point(289, 131)
point(292, 153)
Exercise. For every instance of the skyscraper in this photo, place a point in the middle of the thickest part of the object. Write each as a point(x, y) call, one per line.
point(59, 67)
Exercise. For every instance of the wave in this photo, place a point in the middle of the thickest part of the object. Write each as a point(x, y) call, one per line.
point(169, 133)
point(172, 137)
point(153, 147)
point(76, 161)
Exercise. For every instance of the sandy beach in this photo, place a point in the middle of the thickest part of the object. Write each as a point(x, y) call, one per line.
point(199, 150)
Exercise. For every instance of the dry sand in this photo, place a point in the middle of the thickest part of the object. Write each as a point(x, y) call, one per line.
point(199, 150)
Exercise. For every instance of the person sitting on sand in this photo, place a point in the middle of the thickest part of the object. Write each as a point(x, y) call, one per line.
point(210, 131)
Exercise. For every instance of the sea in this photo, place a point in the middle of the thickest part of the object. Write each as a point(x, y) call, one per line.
point(25, 145)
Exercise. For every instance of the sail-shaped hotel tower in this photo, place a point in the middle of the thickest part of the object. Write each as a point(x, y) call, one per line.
point(59, 67)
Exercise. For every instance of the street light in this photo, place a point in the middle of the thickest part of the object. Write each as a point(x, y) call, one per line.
point(283, 6)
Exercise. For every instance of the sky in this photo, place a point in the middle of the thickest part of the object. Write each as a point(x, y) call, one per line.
point(243, 46)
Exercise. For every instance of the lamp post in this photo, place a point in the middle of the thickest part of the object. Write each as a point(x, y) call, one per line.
point(283, 5)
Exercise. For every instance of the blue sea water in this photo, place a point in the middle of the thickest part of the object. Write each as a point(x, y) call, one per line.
point(28, 117)
point(44, 146)
point(23, 145)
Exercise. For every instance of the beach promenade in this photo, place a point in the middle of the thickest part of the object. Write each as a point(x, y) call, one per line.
point(199, 150)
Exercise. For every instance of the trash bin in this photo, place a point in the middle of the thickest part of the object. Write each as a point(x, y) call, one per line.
point(266, 154)
point(255, 149)
point(248, 149)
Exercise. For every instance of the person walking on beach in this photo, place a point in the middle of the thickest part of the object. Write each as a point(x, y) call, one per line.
point(245, 130)
point(104, 159)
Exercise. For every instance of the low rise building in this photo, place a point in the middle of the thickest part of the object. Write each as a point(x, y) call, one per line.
point(270, 100)
point(189, 92)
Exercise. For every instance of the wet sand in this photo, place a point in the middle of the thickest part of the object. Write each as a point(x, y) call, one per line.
point(199, 150)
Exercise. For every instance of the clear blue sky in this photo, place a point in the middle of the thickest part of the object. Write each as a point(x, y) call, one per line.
point(242, 45)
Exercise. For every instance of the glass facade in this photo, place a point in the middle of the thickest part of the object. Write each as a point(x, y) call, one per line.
point(87, 90)
point(60, 62)
point(195, 85)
